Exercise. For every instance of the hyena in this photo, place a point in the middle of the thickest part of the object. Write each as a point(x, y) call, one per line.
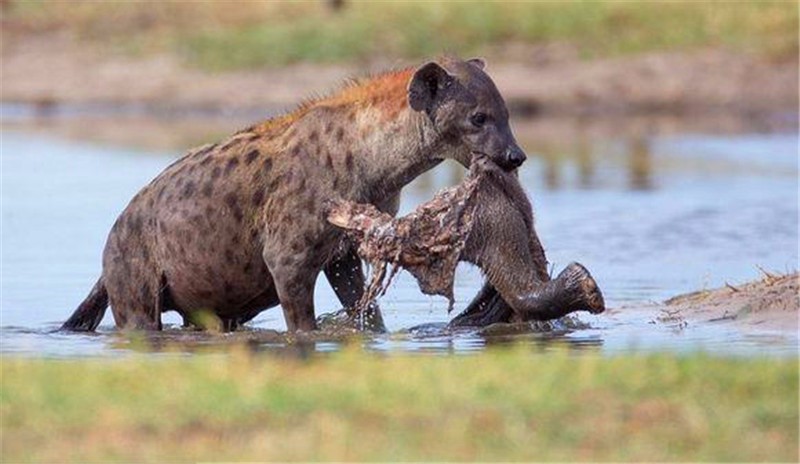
point(237, 227)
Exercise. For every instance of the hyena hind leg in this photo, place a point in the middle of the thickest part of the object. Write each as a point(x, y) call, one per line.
point(138, 307)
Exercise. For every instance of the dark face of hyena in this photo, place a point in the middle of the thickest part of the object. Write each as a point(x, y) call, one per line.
point(464, 104)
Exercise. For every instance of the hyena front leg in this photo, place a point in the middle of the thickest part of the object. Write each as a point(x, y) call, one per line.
point(345, 273)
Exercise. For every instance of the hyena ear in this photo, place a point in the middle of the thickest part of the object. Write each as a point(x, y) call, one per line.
point(425, 87)
point(480, 63)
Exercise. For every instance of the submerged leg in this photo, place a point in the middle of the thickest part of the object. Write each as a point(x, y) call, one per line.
point(487, 308)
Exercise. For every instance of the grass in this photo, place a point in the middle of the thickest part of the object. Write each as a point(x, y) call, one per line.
point(504, 404)
point(231, 35)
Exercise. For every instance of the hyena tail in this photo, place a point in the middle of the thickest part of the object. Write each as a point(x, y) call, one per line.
point(89, 314)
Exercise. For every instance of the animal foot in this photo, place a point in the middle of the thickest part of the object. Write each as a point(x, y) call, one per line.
point(589, 297)
point(348, 320)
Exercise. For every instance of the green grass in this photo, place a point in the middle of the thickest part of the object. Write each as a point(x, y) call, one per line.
point(228, 35)
point(499, 405)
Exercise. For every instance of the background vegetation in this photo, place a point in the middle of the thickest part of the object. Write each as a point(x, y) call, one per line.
point(499, 405)
point(226, 35)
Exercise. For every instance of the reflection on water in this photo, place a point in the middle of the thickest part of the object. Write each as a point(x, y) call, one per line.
point(653, 207)
point(637, 164)
point(640, 167)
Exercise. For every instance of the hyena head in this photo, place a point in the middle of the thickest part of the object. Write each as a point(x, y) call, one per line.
point(465, 107)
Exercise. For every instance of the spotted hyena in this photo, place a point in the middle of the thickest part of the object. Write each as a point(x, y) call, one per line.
point(239, 226)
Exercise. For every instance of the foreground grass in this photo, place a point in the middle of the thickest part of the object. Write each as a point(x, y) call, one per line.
point(499, 405)
point(226, 35)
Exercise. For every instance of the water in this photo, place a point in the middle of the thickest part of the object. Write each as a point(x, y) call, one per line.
point(652, 213)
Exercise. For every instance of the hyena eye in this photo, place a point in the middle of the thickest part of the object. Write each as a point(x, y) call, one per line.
point(478, 119)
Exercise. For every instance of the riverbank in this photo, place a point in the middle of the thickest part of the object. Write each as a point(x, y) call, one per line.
point(771, 303)
point(51, 69)
point(547, 58)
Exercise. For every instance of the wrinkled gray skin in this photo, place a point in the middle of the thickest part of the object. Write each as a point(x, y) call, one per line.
point(504, 244)
point(234, 228)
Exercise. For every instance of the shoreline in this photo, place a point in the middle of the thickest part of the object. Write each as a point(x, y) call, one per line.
point(51, 70)
point(771, 303)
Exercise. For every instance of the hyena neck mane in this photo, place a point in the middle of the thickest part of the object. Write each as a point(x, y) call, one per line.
point(369, 123)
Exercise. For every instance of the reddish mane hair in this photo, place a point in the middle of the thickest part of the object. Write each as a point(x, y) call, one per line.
point(386, 92)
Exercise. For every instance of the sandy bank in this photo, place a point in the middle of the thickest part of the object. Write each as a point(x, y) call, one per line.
point(771, 304)
point(52, 69)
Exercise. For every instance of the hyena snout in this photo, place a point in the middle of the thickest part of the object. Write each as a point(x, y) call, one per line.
point(514, 157)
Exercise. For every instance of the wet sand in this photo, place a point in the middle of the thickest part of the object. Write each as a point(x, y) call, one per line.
point(768, 304)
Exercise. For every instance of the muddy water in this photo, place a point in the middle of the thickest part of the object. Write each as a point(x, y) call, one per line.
point(652, 208)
